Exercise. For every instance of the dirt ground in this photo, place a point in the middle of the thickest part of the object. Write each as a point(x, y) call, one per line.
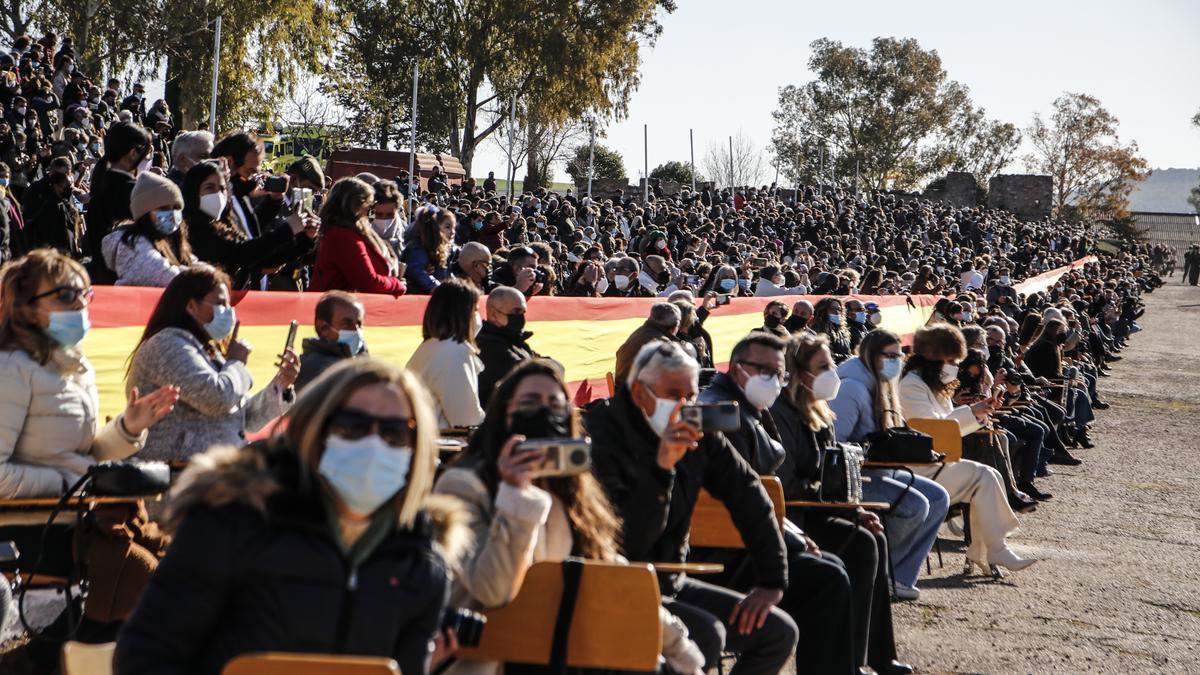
point(1118, 586)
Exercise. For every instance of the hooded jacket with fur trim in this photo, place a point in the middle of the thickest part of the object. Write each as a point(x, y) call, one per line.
point(255, 567)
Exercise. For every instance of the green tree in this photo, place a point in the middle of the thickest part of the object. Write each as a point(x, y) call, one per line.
point(1194, 197)
point(1094, 172)
point(680, 172)
point(890, 115)
point(607, 163)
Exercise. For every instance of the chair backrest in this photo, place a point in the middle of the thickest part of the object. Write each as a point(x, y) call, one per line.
point(612, 385)
point(615, 625)
point(711, 525)
point(277, 663)
point(947, 436)
point(80, 658)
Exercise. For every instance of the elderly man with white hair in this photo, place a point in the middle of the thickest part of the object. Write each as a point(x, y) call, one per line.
point(189, 148)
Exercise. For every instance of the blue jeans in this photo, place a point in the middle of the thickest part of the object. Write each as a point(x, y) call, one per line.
point(913, 523)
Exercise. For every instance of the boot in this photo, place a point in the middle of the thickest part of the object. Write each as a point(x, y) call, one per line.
point(1065, 457)
point(1029, 488)
point(1081, 437)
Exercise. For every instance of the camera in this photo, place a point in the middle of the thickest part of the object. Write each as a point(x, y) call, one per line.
point(540, 275)
point(467, 625)
point(560, 456)
point(709, 417)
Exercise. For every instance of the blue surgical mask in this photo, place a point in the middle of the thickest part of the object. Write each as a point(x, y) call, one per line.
point(3, 182)
point(835, 319)
point(744, 284)
point(68, 327)
point(167, 221)
point(477, 225)
point(364, 472)
point(353, 339)
point(966, 316)
point(860, 317)
point(891, 367)
point(727, 285)
point(223, 321)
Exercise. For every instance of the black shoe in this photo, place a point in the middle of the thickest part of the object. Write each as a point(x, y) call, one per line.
point(893, 668)
point(1066, 458)
point(1020, 505)
point(1031, 489)
point(1103, 373)
point(1110, 358)
point(1084, 440)
point(1101, 405)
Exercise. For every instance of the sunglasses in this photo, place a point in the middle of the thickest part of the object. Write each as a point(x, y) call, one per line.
point(354, 424)
point(67, 295)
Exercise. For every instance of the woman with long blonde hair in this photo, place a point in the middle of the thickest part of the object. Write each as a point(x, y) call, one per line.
point(428, 247)
point(351, 256)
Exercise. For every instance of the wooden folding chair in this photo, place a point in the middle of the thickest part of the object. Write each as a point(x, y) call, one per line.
point(612, 384)
point(947, 439)
point(615, 624)
point(80, 658)
point(278, 663)
point(711, 525)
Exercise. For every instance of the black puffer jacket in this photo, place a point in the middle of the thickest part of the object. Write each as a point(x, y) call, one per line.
point(254, 567)
point(501, 350)
point(656, 506)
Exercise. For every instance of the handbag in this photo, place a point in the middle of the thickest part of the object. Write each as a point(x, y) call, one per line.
point(900, 445)
point(841, 473)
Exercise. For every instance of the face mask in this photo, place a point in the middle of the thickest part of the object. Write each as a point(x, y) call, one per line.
point(876, 317)
point(1004, 281)
point(949, 373)
point(762, 390)
point(621, 281)
point(477, 226)
point(826, 385)
point(69, 327)
point(795, 324)
point(476, 323)
point(365, 472)
point(167, 222)
point(891, 368)
point(744, 284)
point(835, 319)
point(661, 418)
point(860, 317)
point(727, 285)
point(144, 165)
point(516, 323)
point(353, 339)
point(966, 316)
point(540, 422)
point(662, 243)
point(772, 321)
point(213, 205)
point(223, 321)
point(21, 111)
point(3, 182)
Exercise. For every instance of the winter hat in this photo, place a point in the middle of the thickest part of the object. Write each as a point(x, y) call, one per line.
point(153, 191)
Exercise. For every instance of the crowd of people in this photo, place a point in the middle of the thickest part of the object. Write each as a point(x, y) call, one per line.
point(341, 532)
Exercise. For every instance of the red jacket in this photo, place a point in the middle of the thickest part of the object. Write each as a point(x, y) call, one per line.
point(346, 262)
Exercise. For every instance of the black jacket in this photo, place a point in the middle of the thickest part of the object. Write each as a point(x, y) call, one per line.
point(106, 209)
point(1044, 359)
point(756, 440)
point(656, 506)
point(254, 567)
point(501, 350)
point(244, 259)
point(319, 355)
point(801, 466)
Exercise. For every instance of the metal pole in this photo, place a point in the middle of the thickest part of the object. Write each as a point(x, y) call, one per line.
point(591, 156)
point(212, 103)
point(821, 164)
point(692, 154)
point(732, 187)
point(512, 130)
point(412, 151)
point(646, 163)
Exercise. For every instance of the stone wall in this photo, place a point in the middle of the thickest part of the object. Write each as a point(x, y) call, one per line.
point(1029, 197)
point(957, 187)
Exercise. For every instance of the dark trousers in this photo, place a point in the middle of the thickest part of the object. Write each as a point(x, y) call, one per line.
point(1026, 454)
point(865, 556)
point(706, 608)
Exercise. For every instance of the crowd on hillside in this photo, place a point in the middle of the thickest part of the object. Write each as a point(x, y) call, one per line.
point(341, 532)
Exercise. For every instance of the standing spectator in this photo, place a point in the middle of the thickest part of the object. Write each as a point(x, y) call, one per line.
point(323, 539)
point(474, 264)
point(153, 248)
point(126, 154)
point(189, 149)
point(135, 103)
point(182, 344)
point(448, 359)
point(352, 256)
point(489, 183)
point(502, 340)
point(389, 214)
point(488, 230)
point(338, 324)
point(427, 248)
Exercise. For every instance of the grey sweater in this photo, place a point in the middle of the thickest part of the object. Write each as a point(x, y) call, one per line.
point(215, 406)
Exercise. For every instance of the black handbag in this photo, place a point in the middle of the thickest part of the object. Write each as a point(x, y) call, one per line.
point(129, 478)
point(841, 474)
point(899, 445)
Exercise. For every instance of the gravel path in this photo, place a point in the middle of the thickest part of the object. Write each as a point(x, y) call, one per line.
point(1118, 589)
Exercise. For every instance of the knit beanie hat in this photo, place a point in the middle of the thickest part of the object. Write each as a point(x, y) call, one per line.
point(153, 191)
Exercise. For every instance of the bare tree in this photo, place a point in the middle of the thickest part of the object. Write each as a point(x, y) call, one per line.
point(307, 110)
point(539, 145)
point(748, 166)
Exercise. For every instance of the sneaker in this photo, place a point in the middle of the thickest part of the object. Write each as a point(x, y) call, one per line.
point(903, 592)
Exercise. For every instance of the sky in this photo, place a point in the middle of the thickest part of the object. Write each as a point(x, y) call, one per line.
point(718, 66)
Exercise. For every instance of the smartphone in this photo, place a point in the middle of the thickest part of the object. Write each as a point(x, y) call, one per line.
point(693, 280)
point(709, 417)
point(560, 456)
point(306, 200)
point(275, 184)
point(724, 299)
point(759, 262)
point(8, 551)
point(291, 338)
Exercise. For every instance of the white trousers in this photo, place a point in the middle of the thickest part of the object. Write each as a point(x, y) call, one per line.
point(992, 519)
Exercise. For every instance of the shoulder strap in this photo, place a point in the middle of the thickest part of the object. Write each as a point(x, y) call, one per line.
point(572, 569)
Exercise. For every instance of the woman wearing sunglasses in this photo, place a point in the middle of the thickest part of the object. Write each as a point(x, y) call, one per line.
point(519, 518)
point(322, 539)
point(191, 340)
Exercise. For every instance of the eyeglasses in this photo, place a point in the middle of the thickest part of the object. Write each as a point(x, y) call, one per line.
point(764, 369)
point(354, 424)
point(67, 295)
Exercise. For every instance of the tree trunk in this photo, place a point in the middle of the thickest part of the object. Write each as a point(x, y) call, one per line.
point(467, 150)
point(382, 140)
point(173, 95)
point(533, 173)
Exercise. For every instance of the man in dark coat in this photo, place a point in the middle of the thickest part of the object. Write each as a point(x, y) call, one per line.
point(662, 325)
point(501, 341)
point(338, 322)
point(1191, 265)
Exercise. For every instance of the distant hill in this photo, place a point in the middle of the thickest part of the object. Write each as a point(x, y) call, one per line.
point(1166, 191)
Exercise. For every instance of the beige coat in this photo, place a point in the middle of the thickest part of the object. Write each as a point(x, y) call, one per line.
point(49, 424)
point(511, 532)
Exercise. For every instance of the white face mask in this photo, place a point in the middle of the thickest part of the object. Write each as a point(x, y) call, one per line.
point(826, 385)
point(621, 282)
point(762, 390)
point(875, 318)
point(661, 418)
point(476, 324)
point(364, 472)
point(213, 205)
point(382, 225)
point(949, 373)
point(144, 165)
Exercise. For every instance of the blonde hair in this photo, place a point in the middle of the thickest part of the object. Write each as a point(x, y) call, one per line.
point(19, 282)
point(887, 396)
point(308, 420)
point(800, 351)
